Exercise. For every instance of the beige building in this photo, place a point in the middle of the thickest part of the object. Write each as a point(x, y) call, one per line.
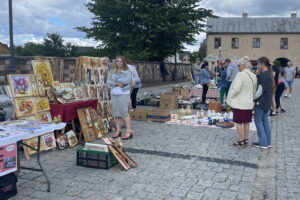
point(278, 38)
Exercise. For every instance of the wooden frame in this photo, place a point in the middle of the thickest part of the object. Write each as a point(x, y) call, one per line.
point(42, 104)
point(33, 142)
point(44, 116)
point(25, 106)
point(88, 132)
point(71, 138)
point(49, 141)
point(20, 85)
point(43, 68)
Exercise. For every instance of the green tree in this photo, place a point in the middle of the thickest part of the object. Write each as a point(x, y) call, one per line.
point(54, 45)
point(201, 53)
point(143, 29)
point(29, 49)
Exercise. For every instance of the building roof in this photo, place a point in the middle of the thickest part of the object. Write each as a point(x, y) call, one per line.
point(4, 49)
point(247, 24)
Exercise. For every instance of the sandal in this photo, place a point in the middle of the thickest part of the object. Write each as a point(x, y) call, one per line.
point(127, 136)
point(245, 141)
point(239, 143)
point(117, 134)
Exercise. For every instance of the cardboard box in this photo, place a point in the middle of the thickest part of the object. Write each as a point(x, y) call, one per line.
point(138, 114)
point(159, 115)
point(185, 92)
point(168, 101)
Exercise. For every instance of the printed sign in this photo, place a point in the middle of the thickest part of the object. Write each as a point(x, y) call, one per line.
point(8, 159)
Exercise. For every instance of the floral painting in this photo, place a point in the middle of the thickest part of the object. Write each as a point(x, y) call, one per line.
point(20, 85)
point(42, 68)
point(44, 117)
point(25, 106)
point(42, 104)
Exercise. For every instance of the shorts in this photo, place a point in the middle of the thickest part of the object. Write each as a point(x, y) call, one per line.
point(288, 84)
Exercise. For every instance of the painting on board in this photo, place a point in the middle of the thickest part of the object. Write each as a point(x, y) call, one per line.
point(25, 106)
point(72, 139)
point(42, 68)
point(33, 142)
point(61, 140)
point(44, 117)
point(20, 85)
point(42, 104)
point(49, 141)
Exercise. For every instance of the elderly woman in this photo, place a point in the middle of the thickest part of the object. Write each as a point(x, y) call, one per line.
point(119, 81)
point(241, 99)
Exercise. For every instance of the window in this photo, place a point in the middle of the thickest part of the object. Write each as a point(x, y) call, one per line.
point(256, 42)
point(235, 43)
point(217, 43)
point(284, 43)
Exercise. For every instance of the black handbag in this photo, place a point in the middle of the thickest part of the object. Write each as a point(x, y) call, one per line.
point(8, 187)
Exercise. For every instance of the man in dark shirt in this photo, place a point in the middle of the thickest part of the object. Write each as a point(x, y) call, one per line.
point(276, 72)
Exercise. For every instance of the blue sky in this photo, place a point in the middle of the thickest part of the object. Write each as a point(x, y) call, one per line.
point(34, 18)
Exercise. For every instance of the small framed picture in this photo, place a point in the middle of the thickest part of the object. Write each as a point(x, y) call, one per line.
point(49, 141)
point(44, 117)
point(20, 85)
point(25, 106)
point(42, 104)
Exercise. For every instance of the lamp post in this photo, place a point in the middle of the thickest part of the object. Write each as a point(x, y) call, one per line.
point(12, 62)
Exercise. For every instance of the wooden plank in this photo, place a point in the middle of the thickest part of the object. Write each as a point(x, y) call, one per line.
point(119, 157)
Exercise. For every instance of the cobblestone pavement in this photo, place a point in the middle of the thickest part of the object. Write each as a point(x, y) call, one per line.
point(181, 162)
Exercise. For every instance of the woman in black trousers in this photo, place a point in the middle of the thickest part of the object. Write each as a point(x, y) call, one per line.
point(205, 80)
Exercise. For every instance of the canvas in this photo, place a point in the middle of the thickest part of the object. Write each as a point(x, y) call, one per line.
point(40, 85)
point(44, 117)
point(42, 68)
point(72, 139)
point(33, 142)
point(61, 141)
point(25, 106)
point(29, 118)
point(42, 104)
point(34, 86)
point(100, 129)
point(20, 85)
point(86, 123)
point(80, 93)
point(49, 141)
point(93, 92)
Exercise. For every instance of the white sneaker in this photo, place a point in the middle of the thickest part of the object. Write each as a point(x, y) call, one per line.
point(285, 95)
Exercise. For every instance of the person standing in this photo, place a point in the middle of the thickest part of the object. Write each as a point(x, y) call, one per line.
point(119, 79)
point(138, 83)
point(223, 85)
point(289, 77)
point(241, 99)
point(263, 103)
point(276, 73)
point(205, 80)
point(232, 71)
point(278, 93)
point(197, 71)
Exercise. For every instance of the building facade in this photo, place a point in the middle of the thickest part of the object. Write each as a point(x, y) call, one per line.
point(278, 38)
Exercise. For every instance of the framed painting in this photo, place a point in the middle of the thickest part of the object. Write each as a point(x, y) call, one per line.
point(40, 85)
point(42, 104)
point(61, 141)
point(33, 142)
point(49, 141)
point(71, 138)
point(42, 68)
point(35, 90)
point(20, 85)
point(29, 118)
point(86, 123)
point(25, 106)
point(44, 117)
point(80, 93)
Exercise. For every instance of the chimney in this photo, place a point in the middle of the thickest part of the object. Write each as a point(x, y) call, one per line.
point(245, 15)
point(293, 15)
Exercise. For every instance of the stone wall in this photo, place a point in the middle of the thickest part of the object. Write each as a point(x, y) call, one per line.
point(63, 69)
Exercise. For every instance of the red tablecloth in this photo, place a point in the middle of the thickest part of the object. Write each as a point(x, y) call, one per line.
point(212, 93)
point(68, 111)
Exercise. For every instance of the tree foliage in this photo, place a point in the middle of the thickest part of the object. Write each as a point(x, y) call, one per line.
point(53, 45)
point(145, 29)
point(201, 53)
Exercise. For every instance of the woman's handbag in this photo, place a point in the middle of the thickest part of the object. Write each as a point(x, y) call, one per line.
point(132, 82)
point(258, 90)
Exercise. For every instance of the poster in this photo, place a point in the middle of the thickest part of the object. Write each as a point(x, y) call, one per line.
point(8, 159)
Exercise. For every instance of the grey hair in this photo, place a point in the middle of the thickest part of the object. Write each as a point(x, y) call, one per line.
point(245, 61)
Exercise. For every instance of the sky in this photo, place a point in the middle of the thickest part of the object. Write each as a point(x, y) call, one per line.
point(34, 18)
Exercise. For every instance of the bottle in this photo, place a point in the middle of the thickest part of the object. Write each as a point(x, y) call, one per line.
point(202, 113)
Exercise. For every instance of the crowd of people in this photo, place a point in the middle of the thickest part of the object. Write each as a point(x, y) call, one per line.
point(247, 90)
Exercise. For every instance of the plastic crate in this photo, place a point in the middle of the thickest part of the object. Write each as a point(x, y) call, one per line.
point(95, 159)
